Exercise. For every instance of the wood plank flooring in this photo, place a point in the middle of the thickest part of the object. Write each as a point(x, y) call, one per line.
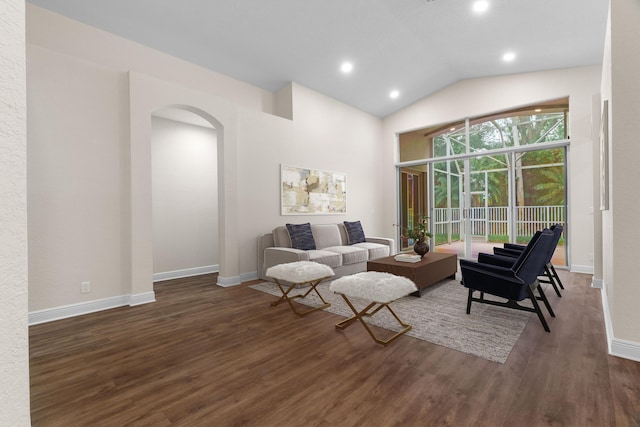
point(203, 355)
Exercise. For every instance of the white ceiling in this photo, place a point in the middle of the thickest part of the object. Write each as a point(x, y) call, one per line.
point(414, 46)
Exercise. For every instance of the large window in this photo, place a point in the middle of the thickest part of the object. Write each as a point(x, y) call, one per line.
point(487, 180)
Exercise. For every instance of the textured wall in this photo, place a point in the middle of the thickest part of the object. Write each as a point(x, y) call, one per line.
point(14, 354)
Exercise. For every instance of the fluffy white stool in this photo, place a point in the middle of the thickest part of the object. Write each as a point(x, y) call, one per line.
point(379, 288)
point(297, 274)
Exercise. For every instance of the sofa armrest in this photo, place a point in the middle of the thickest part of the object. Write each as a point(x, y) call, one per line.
point(275, 255)
point(383, 241)
point(264, 241)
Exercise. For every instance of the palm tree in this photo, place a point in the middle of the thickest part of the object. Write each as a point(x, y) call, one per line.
point(551, 190)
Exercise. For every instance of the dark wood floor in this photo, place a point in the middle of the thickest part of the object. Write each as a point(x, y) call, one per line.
point(209, 356)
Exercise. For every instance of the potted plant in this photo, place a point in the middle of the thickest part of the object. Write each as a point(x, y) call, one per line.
point(419, 234)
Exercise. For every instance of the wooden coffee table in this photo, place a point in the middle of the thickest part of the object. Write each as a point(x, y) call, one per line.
point(432, 268)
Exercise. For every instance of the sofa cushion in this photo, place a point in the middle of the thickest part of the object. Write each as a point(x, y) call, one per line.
point(332, 259)
point(281, 237)
point(376, 250)
point(350, 254)
point(326, 235)
point(301, 236)
point(355, 232)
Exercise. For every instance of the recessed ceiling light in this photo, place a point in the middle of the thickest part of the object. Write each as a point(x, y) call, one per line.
point(508, 57)
point(537, 110)
point(394, 94)
point(452, 129)
point(480, 6)
point(346, 67)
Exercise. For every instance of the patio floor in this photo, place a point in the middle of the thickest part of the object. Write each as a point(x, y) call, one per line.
point(558, 259)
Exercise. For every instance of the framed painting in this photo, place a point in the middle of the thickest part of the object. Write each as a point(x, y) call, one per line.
point(312, 192)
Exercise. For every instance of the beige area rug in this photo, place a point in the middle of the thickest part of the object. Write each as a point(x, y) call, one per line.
point(439, 317)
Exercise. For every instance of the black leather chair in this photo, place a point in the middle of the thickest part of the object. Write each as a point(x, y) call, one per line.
point(548, 273)
point(514, 283)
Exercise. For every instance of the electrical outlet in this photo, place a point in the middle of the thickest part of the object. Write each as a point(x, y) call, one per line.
point(85, 287)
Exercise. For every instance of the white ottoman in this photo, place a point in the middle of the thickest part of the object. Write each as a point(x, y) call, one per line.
point(379, 288)
point(295, 274)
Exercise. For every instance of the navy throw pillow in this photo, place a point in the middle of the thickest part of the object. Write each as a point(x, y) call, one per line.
point(355, 233)
point(301, 236)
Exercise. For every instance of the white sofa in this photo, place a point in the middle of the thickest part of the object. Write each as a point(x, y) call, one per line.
point(332, 249)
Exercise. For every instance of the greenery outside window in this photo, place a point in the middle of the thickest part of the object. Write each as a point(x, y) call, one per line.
point(495, 178)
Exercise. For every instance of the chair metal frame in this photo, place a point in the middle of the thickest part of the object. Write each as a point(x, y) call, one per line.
point(288, 287)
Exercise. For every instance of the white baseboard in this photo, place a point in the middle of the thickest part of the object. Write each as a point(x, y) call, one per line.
point(586, 269)
point(72, 310)
point(245, 277)
point(618, 347)
point(222, 281)
point(625, 349)
point(187, 272)
point(225, 282)
point(597, 283)
point(140, 299)
point(607, 318)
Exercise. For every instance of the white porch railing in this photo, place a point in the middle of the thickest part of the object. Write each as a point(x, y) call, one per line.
point(495, 220)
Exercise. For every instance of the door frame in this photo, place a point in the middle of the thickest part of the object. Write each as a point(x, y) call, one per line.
point(511, 151)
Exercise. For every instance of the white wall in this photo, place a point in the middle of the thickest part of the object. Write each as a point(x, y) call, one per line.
point(620, 85)
point(343, 139)
point(324, 134)
point(476, 97)
point(76, 166)
point(69, 37)
point(90, 131)
point(14, 351)
point(184, 197)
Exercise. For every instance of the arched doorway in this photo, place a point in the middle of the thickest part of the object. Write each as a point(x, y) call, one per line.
point(147, 95)
point(184, 194)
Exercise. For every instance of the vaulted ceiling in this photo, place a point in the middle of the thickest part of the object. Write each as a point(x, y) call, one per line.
point(414, 47)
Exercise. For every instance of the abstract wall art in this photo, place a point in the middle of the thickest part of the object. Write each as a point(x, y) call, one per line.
point(312, 192)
